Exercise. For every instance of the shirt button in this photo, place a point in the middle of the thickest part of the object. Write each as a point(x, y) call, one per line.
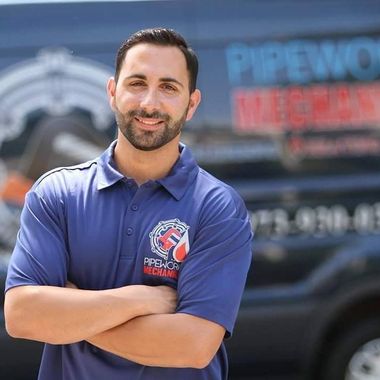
point(129, 231)
point(135, 207)
point(94, 350)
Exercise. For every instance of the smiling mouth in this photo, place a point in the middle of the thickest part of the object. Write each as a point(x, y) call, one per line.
point(149, 122)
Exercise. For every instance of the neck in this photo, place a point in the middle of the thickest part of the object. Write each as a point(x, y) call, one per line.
point(142, 165)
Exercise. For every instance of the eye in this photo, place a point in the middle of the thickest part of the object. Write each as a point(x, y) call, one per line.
point(136, 84)
point(169, 87)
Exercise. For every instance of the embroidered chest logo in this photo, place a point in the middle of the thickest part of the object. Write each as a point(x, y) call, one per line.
point(169, 239)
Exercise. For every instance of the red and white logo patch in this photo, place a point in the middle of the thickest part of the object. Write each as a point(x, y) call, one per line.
point(170, 238)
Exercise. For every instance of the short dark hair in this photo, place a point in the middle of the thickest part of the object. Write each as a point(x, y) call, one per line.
point(162, 37)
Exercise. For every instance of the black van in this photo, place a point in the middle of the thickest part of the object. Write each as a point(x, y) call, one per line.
point(290, 117)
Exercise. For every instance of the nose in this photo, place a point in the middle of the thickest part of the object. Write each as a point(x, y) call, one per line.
point(150, 100)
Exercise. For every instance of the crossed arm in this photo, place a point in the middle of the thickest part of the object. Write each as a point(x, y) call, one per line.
point(189, 341)
point(130, 321)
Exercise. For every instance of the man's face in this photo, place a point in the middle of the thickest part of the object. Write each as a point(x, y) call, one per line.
point(151, 99)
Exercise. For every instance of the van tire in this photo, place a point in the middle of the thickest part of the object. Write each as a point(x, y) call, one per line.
point(346, 346)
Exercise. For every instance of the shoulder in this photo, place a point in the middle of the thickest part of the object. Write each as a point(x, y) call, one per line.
point(219, 200)
point(63, 180)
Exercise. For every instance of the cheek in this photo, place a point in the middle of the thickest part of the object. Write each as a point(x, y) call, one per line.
point(178, 108)
point(125, 101)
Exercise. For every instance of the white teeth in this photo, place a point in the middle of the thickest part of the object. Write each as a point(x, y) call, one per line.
point(148, 122)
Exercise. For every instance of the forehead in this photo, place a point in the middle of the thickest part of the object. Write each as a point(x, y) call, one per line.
point(155, 60)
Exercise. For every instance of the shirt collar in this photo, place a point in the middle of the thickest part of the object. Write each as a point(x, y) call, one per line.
point(176, 182)
point(106, 170)
point(182, 174)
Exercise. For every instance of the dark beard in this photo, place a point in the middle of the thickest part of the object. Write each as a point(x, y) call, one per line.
point(149, 140)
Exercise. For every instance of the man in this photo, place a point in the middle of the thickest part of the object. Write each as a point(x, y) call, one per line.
point(132, 266)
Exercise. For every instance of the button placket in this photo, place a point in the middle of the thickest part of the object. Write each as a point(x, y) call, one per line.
point(135, 206)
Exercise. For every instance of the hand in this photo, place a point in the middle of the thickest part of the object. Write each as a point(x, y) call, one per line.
point(153, 299)
point(165, 299)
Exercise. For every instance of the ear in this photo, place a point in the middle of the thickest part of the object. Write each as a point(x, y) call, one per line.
point(195, 99)
point(111, 90)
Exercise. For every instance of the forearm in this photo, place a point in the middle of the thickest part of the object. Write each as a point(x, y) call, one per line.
point(165, 340)
point(61, 315)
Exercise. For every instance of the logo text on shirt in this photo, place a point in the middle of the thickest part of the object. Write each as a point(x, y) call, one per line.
point(169, 239)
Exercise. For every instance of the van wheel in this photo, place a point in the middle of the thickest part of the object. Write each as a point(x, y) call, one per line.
point(355, 355)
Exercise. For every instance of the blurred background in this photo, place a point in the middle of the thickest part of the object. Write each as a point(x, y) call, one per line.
point(290, 117)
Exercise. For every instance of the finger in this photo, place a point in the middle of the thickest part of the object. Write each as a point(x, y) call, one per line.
point(71, 285)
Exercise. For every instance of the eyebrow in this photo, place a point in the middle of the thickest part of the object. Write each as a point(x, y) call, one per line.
point(164, 79)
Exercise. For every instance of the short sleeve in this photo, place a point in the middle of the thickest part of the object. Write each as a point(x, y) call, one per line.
point(40, 253)
point(212, 278)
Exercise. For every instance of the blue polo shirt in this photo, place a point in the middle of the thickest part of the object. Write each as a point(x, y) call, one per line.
point(90, 225)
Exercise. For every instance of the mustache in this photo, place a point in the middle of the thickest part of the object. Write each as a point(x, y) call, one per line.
point(145, 114)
